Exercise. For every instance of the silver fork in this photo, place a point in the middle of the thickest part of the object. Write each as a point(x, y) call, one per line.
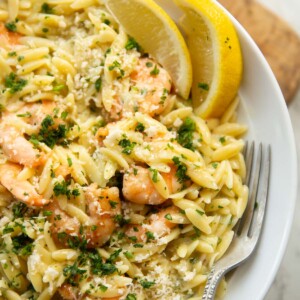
point(248, 229)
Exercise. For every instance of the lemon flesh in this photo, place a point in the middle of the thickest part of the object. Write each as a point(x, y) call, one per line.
point(158, 35)
point(216, 56)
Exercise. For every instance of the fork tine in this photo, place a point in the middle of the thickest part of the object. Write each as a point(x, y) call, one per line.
point(249, 156)
point(253, 192)
point(249, 163)
point(261, 200)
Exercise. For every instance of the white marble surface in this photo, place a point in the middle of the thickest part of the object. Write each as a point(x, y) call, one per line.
point(286, 285)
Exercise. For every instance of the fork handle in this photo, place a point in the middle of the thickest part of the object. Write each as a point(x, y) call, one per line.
point(212, 283)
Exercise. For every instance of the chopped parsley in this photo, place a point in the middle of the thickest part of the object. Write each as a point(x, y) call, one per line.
point(120, 220)
point(75, 242)
point(107, 269)
point(164, 96)
point(132, 44)
point(103, 288)
point(98, 84)
point(74, 273)
point(185, 133)
point(168, 217)
point(62, 188)
point(112, 258)
point(47, 213)
point(64, 115)
point(113, 204)
point(108, 50)
point(214, 165)
point(138, 246)
point(117, 65)
point(197, 231)
point(58, 87)
point(128, 254)
point(26, 115)
point(154, 71)
point(11, 54)
point(130, 297)
point(94, 227)
point(201, 213)
point(154, 175)
point(222, 139)
point(98, 267)
point(146, 284)
point(14, 83)
point(127, 145)
point(70, 163)
point(49, 134)
point(203, 86)
point(114, 65)
point(22, 245)
point(11, 26)
point(181, 170)
point(150, 236)
point(133, 238)
point(140, 127)
point(19, 209)
point(149, 64)
point(7, 229)
point(46, 9)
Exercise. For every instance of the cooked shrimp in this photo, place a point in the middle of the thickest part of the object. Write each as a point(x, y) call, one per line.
point(18, 149)
point(7, 37)
point(138, 186)
point(14, 145)
point(102, 206)
point(158, 225)
point(22, 190)
point(154, 83)
point(149, 89)
point(37, 111)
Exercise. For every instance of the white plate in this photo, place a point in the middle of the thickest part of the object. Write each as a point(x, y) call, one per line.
point(264, 110)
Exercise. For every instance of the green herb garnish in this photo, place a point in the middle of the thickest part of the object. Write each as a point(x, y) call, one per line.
point(130, 297)
point(185, 133)
point(181, 170)
point(146, 284)
point(11, 26)
point(46, 9)
point(127, 145)
point(154, 175)
point(155, 71)
point(140, 127)
point(132, 44)
point(203, 86)
point(49, 134)
point(14, 83)
point(26, 115)
point(98, 84)
point(168, 217)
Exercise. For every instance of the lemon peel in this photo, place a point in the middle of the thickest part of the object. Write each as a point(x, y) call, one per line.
point(216, 56)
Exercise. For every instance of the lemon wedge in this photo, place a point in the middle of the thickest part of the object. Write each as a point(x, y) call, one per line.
point(158, 35)
point(216, 56)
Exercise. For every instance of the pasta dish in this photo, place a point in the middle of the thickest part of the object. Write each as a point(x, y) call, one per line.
point(110, 186)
